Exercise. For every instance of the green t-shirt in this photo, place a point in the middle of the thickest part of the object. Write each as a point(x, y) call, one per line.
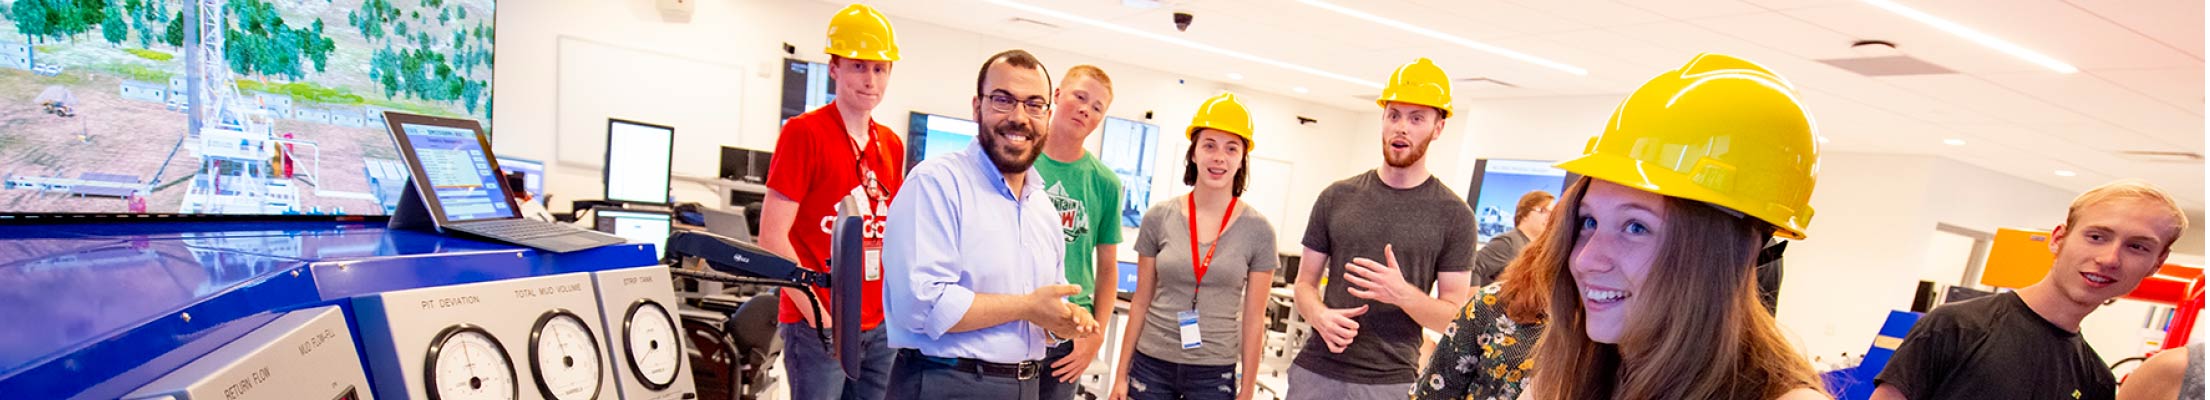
point(1087, 195)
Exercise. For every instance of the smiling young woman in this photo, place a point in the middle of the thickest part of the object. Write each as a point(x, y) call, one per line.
point(1654, 250)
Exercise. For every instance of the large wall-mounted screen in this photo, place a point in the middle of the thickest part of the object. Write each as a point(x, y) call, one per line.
point(129, 106)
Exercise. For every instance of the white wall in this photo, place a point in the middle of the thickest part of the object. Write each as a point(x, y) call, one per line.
point(936, 75)
point(1869, 239)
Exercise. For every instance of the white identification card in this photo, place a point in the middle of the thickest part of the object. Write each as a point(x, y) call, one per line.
point(874, 264)
point(1191, 337)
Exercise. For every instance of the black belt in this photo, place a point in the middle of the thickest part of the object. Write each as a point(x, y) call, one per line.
point(1025, 370)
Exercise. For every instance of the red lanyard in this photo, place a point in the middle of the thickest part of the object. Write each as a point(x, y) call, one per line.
point(868, 185)
point(1203, 263)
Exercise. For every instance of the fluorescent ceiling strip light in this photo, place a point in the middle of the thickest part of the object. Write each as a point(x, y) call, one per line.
point(1454, 39)
point(1182, 42)
point(1984, 39)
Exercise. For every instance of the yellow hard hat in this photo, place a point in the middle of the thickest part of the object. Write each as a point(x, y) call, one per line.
point(1226, 114)
point(860, 32)
point(1419, 82)
point(1720, 130)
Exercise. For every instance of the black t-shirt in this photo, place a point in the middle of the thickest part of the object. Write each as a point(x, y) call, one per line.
point(1432, 229)
point(1995, 348)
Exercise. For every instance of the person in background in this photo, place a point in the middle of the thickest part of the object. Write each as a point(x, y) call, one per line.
point(2174, 373)
point(1654, 296)
point(1190, 341)
point(1383, 238)
point(2026, 344)
point(822, 158)
point(1085, 192)
point(527, 202)
point(1484, 354)
point(1529, 218)
point(975, 283)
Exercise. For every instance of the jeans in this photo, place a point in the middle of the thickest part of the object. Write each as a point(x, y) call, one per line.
point(1051, 387)
point(815, 375)
point(917, 377)
point(1155, 379)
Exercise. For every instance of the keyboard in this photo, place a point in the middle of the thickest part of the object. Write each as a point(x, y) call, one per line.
point(538, 234)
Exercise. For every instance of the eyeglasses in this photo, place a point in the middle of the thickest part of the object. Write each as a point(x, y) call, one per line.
point(1003, 102)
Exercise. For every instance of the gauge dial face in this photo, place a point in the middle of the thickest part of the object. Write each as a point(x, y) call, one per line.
point(467, 363)
point(564, 356)
point(649, 338)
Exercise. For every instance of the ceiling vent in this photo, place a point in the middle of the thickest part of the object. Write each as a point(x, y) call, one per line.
point(2166, 157)
point(1888, 66)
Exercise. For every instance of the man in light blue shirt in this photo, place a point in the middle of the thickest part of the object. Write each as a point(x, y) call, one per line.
point(973, 286)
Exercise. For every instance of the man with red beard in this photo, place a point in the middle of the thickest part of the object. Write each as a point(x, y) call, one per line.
point(1384, 238)
point(975, 290)
point(2026, 344)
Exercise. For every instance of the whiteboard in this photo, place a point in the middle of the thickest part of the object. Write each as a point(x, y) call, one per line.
point(1267, 187)
point(597, 81)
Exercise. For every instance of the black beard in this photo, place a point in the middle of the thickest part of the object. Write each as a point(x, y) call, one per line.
point(1004, 157)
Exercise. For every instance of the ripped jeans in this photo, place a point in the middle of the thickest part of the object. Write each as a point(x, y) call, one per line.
point(1155, 379)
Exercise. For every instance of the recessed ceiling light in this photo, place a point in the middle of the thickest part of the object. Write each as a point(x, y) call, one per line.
point(1301, 89)
point(1953, 142)
point(1984, 39)
point(1453, 39)
point(1822, 139)
point(1181, 42)
point(1235, 76)
point(2067, 173)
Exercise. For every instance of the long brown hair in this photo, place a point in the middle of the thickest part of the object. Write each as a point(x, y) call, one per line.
point(1526, 283)
point(1697, 332)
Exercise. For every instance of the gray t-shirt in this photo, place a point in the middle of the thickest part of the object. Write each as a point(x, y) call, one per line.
point(1246, 247)
point(1432, 229)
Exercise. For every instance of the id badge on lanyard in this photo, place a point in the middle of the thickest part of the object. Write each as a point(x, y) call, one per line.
point(871, 239)
point(1192, 337)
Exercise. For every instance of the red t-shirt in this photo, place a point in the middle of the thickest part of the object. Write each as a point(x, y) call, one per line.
point(815, 164)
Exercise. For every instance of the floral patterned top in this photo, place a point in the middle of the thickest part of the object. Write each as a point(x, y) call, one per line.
point(1484, 356)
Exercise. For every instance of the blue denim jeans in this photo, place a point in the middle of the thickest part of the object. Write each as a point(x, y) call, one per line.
point(814, 375)
point(1155, 379)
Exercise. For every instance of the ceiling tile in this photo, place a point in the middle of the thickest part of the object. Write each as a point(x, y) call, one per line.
point(1692, 9)
point(1784, 33)
point(1597, 13)
point(1985, 97)
point(2179, 87)
point(2175, 23)
point(2090, 95)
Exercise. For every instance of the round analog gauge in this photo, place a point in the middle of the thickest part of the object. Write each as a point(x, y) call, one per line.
point(467, 363)
point(648, 336)
point(564, 357)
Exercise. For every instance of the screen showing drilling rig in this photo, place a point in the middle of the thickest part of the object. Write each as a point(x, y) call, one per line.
point(259, 107)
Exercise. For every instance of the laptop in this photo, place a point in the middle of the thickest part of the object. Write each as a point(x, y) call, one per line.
point(732, 224)
point(636, 226)
point(460, 189)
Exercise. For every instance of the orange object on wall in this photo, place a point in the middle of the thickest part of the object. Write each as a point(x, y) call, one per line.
point(2021, 257)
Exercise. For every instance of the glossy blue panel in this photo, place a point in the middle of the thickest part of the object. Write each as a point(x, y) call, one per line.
point(109, 298)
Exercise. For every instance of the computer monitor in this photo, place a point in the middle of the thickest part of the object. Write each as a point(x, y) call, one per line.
point(732, 223)
point(638, 158)
point(455, 172)
point(533, 174)
point(637, 227)
point(1497, 186)
point(806, 86)
point(1128, 273)
point(747, 165)
point(931, 135)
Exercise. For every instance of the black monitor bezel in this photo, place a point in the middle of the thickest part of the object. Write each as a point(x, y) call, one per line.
point(606, 165)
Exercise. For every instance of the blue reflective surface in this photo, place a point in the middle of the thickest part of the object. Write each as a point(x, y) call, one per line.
point(96, 310)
